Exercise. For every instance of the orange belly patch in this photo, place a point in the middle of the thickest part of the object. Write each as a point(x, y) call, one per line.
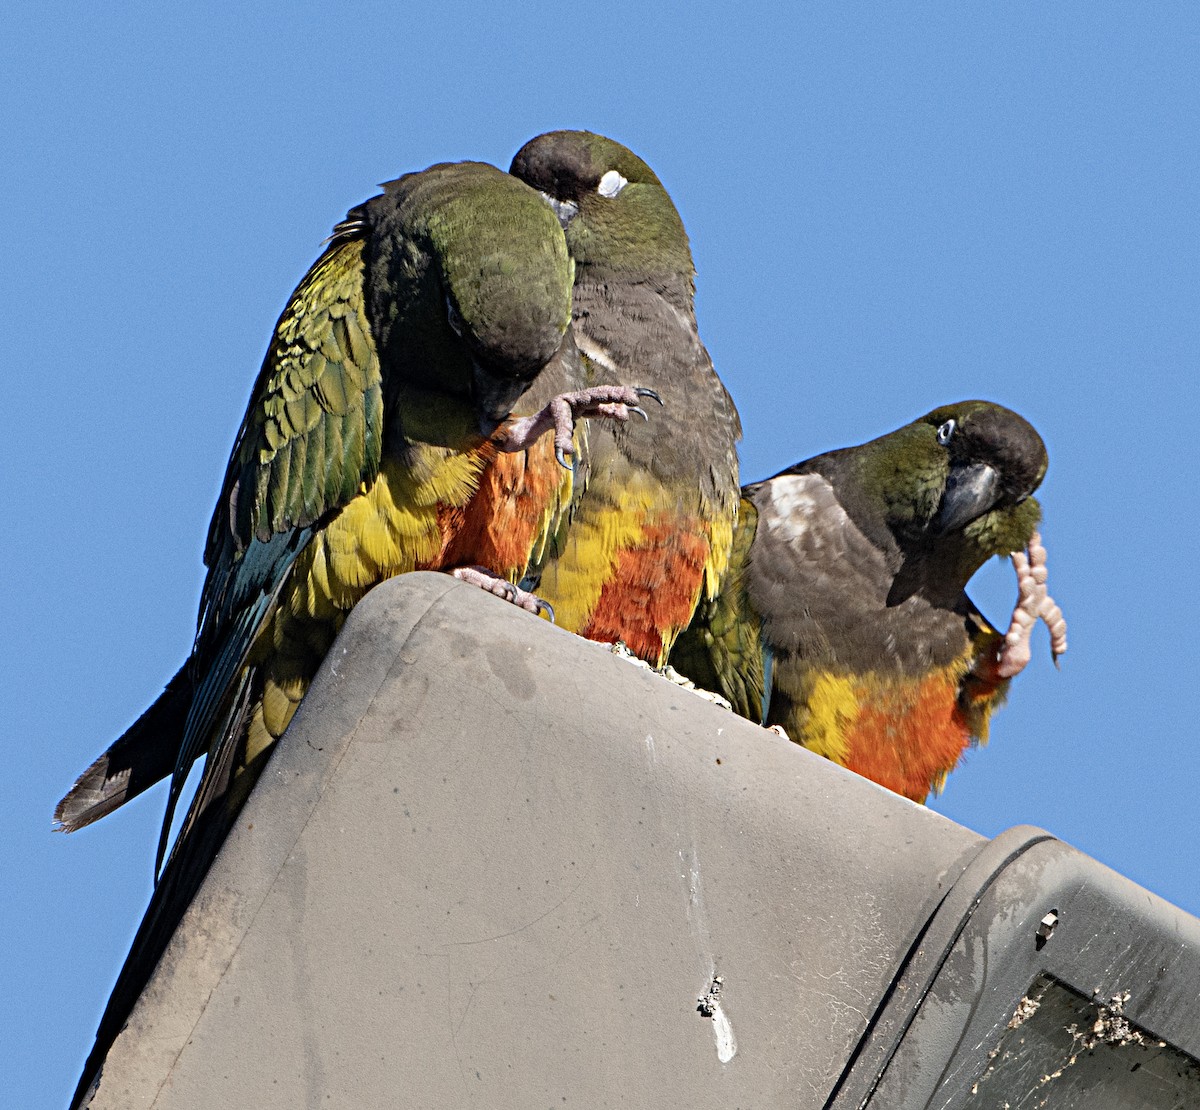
point(908, 734)
point(520, 496)
point(652, 590)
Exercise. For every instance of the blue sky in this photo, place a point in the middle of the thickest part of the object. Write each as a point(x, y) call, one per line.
point(891, 207)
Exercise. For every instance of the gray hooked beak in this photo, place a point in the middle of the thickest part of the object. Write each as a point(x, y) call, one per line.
point(970, 491)
point(494, 397)
point(565, 210)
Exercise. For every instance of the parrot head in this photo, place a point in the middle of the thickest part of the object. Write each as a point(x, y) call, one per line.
point(477, 282)
point(958, 481)
point(995, 458)
point(945, 493)
point(615, 211)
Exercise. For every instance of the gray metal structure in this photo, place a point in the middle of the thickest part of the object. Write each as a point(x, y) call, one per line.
point(492, 865)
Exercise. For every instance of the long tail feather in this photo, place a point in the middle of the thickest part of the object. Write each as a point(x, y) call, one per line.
point(144, 754)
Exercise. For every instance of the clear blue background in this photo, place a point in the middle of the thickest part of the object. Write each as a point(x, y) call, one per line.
point(891, 206)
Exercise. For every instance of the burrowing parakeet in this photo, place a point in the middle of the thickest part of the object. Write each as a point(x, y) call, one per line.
point(845, 621)
point(651, 526)
point(396, 425)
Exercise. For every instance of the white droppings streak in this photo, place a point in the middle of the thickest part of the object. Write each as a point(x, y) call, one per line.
point(691, 873)
point(710, 1007)
point(723, 1031)
point(695, 890)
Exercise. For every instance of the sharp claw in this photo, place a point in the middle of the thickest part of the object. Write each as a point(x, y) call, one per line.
point(641, 391)
point(561, 455)
point(547, 608)
point(640, 411)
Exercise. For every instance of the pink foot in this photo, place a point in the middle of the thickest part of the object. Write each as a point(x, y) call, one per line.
point(1034, 603)
point(616, 402)
point(501, 587)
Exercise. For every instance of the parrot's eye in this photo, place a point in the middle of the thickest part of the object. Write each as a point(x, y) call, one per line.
point(611, 184)
point(946, 431)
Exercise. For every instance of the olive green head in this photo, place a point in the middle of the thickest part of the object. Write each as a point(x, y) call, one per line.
point(964, 470)
point(616, 213)
point(471, 279)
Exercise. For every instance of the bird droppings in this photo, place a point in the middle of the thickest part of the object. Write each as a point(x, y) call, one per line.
point(709, 1006)
point(1026, 1008)
point(1100, 1025)
point(670, 674)
point(707, 1003)
point(1111, 1026)
point(622, 652)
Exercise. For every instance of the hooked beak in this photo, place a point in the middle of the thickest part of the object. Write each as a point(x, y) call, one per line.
point(970, 492)
point(494, 397)
point(565, 210)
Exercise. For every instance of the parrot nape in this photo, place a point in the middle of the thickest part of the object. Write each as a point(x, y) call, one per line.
point(844, 621)
point(652, 522)
point(377, 440)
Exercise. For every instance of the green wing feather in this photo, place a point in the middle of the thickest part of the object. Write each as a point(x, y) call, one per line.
point(312, 435)
point(722, 647)
point(313, 431)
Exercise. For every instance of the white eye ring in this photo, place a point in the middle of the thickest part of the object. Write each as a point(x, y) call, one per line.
point(611, 184)
point(946, 431)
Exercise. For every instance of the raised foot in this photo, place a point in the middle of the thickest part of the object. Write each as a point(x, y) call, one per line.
point(1034, 603)
point(613, 402)
point(501, 587)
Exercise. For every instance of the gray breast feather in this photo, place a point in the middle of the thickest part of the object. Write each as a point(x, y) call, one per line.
point(821, 587)
point(811, 569)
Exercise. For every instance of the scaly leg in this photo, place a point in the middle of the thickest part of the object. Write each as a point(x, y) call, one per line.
point(1034, 603)
point(616, 402)
point(501, 587)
